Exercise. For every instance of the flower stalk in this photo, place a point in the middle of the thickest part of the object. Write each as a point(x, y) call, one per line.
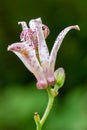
point(39, 122)
point(49, 105)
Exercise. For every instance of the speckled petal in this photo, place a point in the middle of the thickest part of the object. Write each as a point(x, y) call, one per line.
point(42, 46)
point(36, 24)
point(26, 53)
point(57, 46)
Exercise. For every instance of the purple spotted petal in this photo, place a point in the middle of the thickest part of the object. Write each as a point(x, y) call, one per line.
point(57, 46)
point(26, 53)
point(42, 46)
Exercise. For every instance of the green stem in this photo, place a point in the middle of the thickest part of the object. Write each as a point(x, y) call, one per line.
point(39, 123)
point(49, 106)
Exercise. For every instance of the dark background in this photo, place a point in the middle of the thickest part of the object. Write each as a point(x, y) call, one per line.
point(19, 98)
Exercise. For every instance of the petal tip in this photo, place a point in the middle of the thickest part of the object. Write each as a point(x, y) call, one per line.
point(8, 48)
point(13, 47)
point(19, 23)
point(76, 27)
point(23, 24)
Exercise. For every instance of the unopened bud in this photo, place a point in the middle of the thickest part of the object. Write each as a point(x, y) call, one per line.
point(60, 77)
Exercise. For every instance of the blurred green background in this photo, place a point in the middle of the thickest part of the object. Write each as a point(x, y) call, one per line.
point(19, 98)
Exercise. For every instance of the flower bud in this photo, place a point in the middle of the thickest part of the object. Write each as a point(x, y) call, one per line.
point(60, 77)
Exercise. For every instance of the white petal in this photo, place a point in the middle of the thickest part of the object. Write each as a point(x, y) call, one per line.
point(26, 53)
point(42, 46)
point(57, 46)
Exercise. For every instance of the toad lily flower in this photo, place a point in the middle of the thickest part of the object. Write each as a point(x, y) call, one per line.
point(34, 53)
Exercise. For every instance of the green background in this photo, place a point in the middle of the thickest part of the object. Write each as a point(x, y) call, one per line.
point(19, 98)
